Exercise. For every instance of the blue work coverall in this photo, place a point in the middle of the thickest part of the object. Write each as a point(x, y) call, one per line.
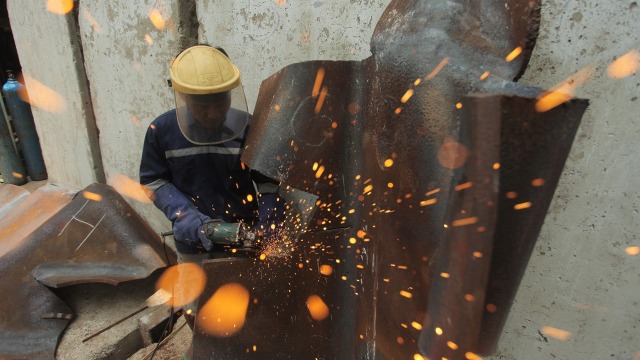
point(194, 184)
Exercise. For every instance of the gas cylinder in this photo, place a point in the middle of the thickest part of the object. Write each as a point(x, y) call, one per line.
point(25, 128)
point(11, 167)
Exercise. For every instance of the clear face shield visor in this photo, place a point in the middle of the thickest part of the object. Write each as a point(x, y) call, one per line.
point(212, 118)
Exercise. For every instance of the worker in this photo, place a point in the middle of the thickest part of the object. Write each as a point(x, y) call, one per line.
point(191, 166)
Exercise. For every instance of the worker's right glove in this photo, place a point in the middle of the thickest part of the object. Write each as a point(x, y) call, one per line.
point(188, 222)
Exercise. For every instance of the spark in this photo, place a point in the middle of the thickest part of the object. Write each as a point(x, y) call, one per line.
point(496, 166)
point(445, 275)
point(514, 54)
point(435, 71)
point(39, 95)
point(390, 185)
point(434, 191)
point(521, 206)
point(627, 65)
point(438, 331)
point(452, 345)
point(276, 107)
point(632, 250)
point(367, 189)
point(326, 270)
point(156, 19)
point(60, 7)
point(148, 38)
point(130, 188)
point(464, 186)
point(388, 163)
point(537, 182)
point(472, 356)
point(249, 197)
point(400, 340)
point(397, 111)
point(511, 195)
point(352, 240)
point(92, 21)
point(485, 75)
point(492, 308)
point(319, 172)
point(317, 307)
point(323, 95)
point(406, 96)
point(477, 254)
point(225, 312)
point(428, 202)
point(564, 91)
point(555, 333)
point(416, 325)
point(185, 281)
point(459, 106)
point(134, 120)
point(419, 357)
point(280, 2)
point(91, 196)
point(469, 297)
point(466, 221)
point(406, 294)
point(17, 175)
point(361, 234)
point(318, 82)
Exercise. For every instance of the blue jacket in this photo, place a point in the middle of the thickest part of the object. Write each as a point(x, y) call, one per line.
point(193, 184)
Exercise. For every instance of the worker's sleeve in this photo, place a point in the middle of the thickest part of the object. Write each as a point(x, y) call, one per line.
point(271, 206)
point(187, 221)
point(155, 176)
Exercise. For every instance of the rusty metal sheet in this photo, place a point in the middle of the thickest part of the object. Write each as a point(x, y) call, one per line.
point(10, 197)
point(96, 237)
point(445, 191)
point(278, 323)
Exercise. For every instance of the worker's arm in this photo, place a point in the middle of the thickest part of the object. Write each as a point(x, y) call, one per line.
point(155, 176)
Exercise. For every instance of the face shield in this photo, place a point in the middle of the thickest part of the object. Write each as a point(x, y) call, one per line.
point(207, 119)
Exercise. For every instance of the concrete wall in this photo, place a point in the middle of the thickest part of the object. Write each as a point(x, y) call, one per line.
point(580, 279)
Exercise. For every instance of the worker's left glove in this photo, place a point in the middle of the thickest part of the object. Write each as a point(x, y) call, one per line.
point(271, 211)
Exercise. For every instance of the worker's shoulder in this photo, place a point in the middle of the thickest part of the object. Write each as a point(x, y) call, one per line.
point(165, 121)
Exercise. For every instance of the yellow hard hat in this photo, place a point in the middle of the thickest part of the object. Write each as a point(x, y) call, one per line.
point(202, 69)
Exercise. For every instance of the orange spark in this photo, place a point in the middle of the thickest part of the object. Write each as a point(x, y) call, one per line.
point(280, 2)
point(406, 294)
point(406, 96)
point(92, 21)
point(464, 186)
point(564, 91)
point(496, 166)
point(276, 107)
point(477, 254)
point(397, 111)
point(361, 234)
point(511, 195)
point(156, 19)
point(437, 69)
point(129, 188)
point(432, 192)
point(555, 333)
point(224, 314)
point(485, 75)
point(438, 331)
point(184, 281)
point(352, 240)
point(390, 185)
point(452, 345)
point(521, 206)
point(59, 7)
point(514, 54)
point(91, 196)
point(632, 250)
point(367, 189)
point(17, 175)
point(317, 308)
point(471, 356)
point(419, 357)
point(148, 38)
point(445, 275)
point(469, 297)
point(388, 163)
point(459, 106)
point(465, 221)
point(134, 120)
point(452, 154)
point(323, 95)
point(492, 308)
point(624, 66)
point(416, 325)
point(326, 270)
point(249, 197)
point(318, 83)
point(537, 182)
point(39, 95)
point(319, 172)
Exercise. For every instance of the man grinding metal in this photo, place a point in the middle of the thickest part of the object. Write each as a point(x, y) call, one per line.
point(191, 165)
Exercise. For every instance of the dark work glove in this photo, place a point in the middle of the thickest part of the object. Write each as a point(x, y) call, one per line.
point(187, 221)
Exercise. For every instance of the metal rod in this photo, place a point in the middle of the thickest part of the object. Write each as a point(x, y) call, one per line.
point(164, 341)
point(114, 324)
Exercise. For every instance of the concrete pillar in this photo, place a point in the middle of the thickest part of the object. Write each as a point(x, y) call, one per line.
point(53, 69)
